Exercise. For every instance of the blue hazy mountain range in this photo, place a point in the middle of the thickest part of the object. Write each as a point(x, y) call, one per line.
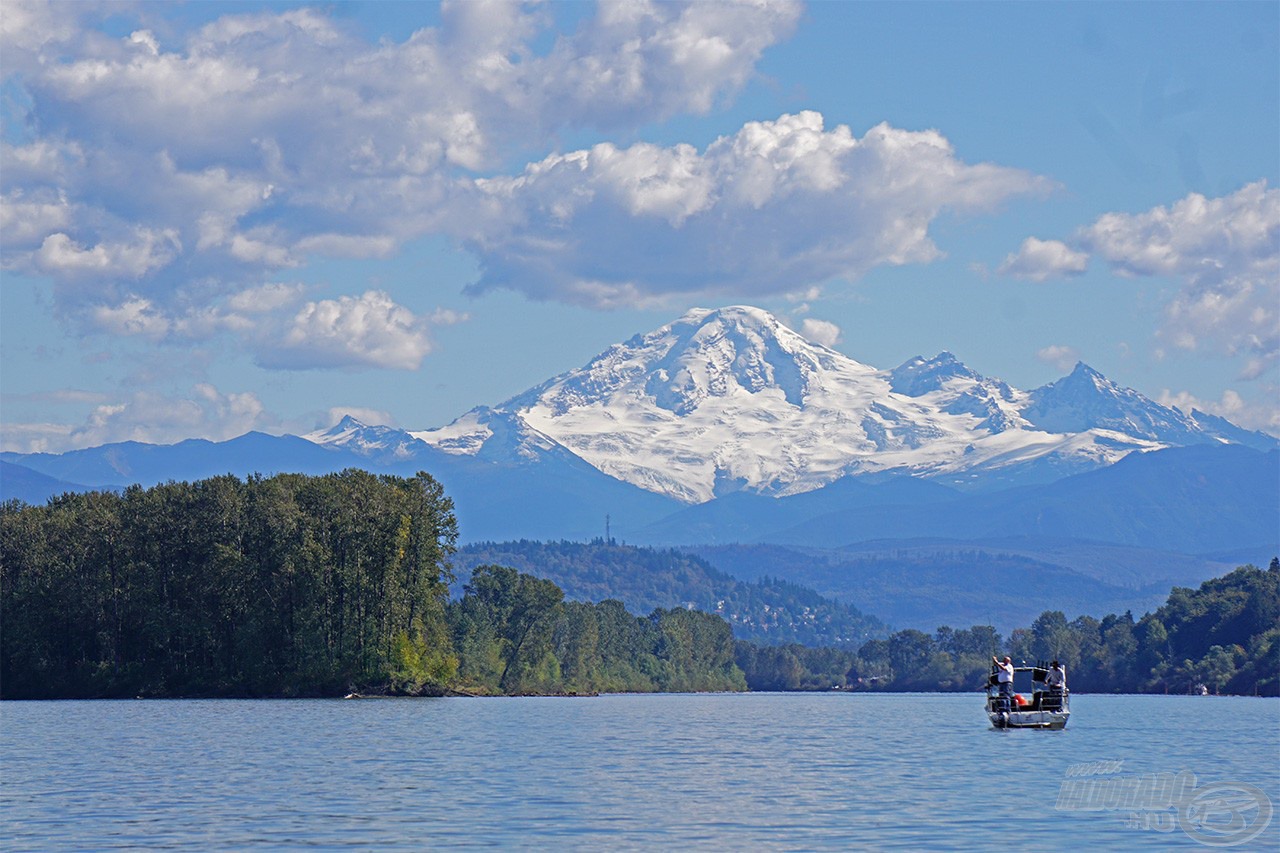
point(1189, 495)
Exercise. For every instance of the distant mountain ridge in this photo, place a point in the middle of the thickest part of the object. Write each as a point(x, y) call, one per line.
point(732, 399)
point(765, 610)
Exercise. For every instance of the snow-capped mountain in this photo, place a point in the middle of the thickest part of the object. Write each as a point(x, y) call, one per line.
point(493, 435)
point(732, 399)
point(382, 443)
point(1086, 400)
point(799, 443)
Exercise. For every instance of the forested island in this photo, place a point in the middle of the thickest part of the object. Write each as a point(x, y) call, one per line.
point(307, 586)
point(321, 586)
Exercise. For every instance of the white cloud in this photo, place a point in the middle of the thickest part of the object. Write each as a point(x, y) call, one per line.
point(659, 59)
point(366, 331)
point(1038, 260)
point(1060, 356)
point(281, 330)
point(41, 161)
point(1232, 406)
point(768, 211)
point(1226, 253)
point(26, 221)
point(448, 317)
point(60, 395)
point(135, 317)
point(347, 245)
point(146, 416)
point(31, 30)
point(260, 252)
point(34, 437)
point(265, 299)
point(60, 255)
point(155, 419)
point(219, 155)
point(822, 331)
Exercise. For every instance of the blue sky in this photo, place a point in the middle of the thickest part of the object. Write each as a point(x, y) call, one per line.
point(220, 217)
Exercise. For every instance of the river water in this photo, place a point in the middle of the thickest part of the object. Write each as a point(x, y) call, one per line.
point(717, 772)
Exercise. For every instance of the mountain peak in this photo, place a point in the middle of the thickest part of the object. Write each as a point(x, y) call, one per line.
point(1086, 400)
point(708, 354)
point(731, 398)
point(1084, 373)
point(354, 435)
point(345, 426)
point(349, 422)
point(918, 376)
point(747, 315)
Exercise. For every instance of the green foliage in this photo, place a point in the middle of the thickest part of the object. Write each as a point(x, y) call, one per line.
point(796, 667)
point(290, 585)
point(298, 585)
point(506, 622)
point(517, 635)
point(1223, 636)
point(1216, 636)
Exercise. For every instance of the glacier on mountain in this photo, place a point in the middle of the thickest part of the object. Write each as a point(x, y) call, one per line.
point(733, 399)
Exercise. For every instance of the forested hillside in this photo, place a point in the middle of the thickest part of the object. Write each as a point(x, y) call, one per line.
point(1224, 636)
point(766, 610)
point(923, 585)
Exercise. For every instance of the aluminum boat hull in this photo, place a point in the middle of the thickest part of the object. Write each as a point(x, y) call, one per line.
point(1029, 719)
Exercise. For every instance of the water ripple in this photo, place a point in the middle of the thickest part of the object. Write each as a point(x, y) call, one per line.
point(759, 771)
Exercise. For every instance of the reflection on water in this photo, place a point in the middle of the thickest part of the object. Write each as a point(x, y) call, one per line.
point(771, 771)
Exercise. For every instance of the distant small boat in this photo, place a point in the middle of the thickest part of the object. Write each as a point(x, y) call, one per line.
point(1047, 708)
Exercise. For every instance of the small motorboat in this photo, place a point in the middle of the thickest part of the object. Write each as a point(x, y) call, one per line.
point(1044, 708)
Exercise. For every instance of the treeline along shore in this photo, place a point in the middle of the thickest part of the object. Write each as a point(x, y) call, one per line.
point(322, 586)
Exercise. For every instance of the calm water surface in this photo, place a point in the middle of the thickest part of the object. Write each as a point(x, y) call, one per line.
point(754, 771)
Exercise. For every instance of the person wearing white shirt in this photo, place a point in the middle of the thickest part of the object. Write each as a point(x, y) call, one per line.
point(1004, 676)
point(1056, 679)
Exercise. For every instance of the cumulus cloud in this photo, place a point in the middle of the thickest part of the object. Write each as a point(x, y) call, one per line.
point(821, 331)
point(1038, 260)
point(62, 256)
point(265, 299)
point(1232, 406)
point(1226, 254)
point(135, 317)
point(768, 211)
point(27, 221)
point(146, 416)
point(1061, 357)
point(160, 158)
point(369, 330)
point(283, 330)
point(32, 31)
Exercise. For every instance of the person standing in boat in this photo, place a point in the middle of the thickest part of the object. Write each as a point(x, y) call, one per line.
point(1004, 676)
